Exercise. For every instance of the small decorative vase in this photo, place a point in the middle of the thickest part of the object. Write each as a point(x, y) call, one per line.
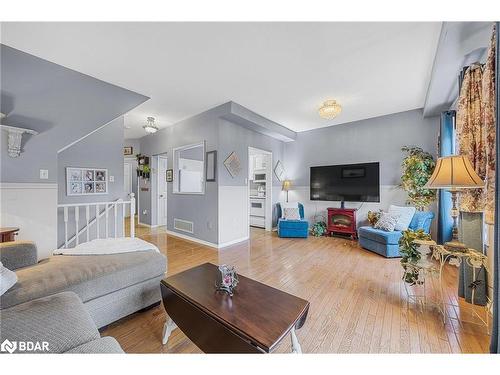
point(228, 279)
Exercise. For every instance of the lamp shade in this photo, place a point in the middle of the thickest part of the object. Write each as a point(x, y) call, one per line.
point(454, 172)
point(287, 185)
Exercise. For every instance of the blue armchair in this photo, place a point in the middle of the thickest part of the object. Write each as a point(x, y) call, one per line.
point(292, 228)
point(387, 243)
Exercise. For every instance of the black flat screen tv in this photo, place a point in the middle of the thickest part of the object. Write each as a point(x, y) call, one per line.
point(346, 183)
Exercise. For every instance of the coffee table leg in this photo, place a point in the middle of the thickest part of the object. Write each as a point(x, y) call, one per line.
point(295, 342)
point(167, 329)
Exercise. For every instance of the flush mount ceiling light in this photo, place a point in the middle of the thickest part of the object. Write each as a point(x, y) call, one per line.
point(150, 126)
point(330, 109)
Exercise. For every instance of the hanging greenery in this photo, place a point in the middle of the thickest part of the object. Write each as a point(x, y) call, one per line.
point(410, 255)
point(418, 166)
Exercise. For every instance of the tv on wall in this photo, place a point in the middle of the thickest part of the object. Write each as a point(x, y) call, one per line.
point(346, 183)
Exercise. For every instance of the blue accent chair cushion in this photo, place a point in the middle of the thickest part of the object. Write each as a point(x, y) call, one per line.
point(292, 228)
point(386, 243)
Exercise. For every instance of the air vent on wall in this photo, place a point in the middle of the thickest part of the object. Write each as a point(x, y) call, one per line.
point(183, 225)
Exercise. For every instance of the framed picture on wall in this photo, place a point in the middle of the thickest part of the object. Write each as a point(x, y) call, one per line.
point(128, 150)
point(211, 166)
point(232, 164)
point(86, 181)
point(279, 171)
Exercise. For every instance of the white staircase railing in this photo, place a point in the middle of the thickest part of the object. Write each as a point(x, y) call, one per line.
point(95, 208)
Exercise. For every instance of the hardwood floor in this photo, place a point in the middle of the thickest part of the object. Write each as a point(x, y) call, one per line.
point(358, 302)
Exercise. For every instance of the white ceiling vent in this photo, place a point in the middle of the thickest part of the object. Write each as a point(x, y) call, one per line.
point(183, 225)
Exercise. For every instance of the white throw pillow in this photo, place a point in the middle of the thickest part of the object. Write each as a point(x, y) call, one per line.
point(287, 205)
point(405, 215)
point(7, 279)
point(291, 213)
point(386, 222)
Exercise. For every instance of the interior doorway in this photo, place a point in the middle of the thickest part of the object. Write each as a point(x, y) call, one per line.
point(162, 190)
point(260, 188)
point(127, 181)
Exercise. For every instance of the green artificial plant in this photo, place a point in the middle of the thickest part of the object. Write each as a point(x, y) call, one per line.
point(318, 229)
point(410, 254)
point(418, 166)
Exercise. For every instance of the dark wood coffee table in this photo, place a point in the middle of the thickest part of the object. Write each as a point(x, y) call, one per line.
point(254, 320)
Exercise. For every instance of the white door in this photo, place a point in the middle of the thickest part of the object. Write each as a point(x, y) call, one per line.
point(162, 190)
point(127, 181)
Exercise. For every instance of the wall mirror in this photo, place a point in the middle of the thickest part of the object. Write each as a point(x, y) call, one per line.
point(189, 169)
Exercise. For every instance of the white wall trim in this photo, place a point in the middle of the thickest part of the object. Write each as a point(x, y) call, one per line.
point(192, 239)
point(146, 225)
point(29, 185)
point(206, 243)
point(226, 244)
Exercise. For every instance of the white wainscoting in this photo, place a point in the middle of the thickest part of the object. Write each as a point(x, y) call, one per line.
point(33, 208)
point(389, 194)
point(233, 214)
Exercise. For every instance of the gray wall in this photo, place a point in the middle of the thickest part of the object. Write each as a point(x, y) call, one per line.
point(377, 139)
point(233, 137)
point(61, 104)
point(200, 209)
point(102, 149)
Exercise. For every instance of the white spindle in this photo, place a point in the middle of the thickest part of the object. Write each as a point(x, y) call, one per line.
point(115, 207)
point(106, 210)
point(65, 227)
point(89, 221)
point(123, 219)
point(132, 215)
point(87, 218)
point(77, 219)
point(97, 217)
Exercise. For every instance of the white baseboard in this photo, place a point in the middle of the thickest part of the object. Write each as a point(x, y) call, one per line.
point(192, 239)
point(226, 244)
point(147, 225)
point(206, 243)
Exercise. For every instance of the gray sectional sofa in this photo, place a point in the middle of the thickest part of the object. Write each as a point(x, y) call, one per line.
point(109, 287)
point(60, 320)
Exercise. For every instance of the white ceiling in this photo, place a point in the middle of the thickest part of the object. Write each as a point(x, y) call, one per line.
point(282, 71)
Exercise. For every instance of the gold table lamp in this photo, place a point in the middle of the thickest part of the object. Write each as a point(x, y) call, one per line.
point(454, 173)
point(287, 185)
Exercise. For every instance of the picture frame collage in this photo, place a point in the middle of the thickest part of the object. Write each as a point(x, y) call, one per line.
point(86, 181)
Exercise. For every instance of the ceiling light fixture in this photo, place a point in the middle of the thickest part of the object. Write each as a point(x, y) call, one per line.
point(330, 109)
point(150, 126)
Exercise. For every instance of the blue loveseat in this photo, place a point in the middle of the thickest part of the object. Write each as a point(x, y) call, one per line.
point(386, 243)
point(292, 228)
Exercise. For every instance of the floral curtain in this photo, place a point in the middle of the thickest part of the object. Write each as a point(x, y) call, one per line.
point(488, 96)
point(476, 132)
point(470, 134)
